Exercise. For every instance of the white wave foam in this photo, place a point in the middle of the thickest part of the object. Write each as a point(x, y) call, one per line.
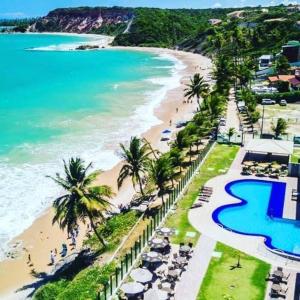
point(100, 41)
point(25, 192)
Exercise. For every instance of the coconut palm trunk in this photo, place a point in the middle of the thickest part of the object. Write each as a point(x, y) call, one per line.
point(98, 235)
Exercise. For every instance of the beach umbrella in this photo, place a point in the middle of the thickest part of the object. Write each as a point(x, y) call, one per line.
point(132, 288)
point(166, 135)
point(140, 208)
point(167, 131)
point(152, 257)
point(157, 203)
point(158, 243)
point(155, 294)
point(165, 231)
point(141, 275)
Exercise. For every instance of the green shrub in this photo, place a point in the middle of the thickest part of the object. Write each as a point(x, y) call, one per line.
point(255, 116)
point(51, 290)
point(84, 286)
point(289, 97)
point(114, 230)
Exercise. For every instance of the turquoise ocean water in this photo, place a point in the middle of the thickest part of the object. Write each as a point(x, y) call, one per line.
point(58, 104)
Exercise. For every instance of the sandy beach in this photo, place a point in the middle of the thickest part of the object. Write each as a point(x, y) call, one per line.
point(42, 236)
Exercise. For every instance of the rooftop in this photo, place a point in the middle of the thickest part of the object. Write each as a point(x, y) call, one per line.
point(270, 146)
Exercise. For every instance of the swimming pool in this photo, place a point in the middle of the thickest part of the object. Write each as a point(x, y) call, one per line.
point(259, 213)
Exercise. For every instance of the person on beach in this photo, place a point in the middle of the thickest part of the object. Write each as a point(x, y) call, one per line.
point(170, 122)
point(73, 241)
point(177, 109)
point(29, 259)
point(52, 258)
point(76, 230)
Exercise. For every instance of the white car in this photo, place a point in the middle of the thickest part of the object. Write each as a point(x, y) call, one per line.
point(268, 102)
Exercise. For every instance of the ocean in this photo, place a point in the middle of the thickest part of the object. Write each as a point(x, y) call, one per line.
point(56, 103)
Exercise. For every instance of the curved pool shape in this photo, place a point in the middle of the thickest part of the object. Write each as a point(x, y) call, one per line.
point(259, 213)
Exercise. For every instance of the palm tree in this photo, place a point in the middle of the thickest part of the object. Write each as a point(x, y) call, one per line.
point(160, 173)
point(176, 158)
point(82, 199)
point(230, 133)
point(197, 87)
point(136, 157)
point(280, 127)
point(180, 140)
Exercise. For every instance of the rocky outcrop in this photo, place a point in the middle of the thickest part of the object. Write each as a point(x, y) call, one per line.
point(83, 20)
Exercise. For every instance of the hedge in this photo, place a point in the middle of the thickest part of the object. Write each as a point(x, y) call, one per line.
point(290, 97)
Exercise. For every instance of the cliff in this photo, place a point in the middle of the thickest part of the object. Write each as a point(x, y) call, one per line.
point(85, 20)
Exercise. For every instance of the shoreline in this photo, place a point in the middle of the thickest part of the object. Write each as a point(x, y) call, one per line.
point(41, 236)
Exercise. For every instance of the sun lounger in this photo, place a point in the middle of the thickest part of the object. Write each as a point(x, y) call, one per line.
point(207, 188)
point(203, 199)
point(205, 194)
point(196, 205)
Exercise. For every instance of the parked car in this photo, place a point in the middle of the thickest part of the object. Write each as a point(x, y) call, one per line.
point(282, 102)
point(268, 102)
point(222, 123)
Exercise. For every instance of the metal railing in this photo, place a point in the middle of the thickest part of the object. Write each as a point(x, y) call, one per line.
point(127, 262)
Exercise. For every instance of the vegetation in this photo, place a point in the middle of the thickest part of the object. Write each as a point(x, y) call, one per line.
point(280, 127)
point(231, 132)
point(113, 231)
point(82, 199)
point(290, 97)
point(85, 285)
point(136, 158)
point(282, 65)
point(224, 280)
point(219, 160)
point(197, 88)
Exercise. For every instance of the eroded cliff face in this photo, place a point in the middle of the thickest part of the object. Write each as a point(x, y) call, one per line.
point(83, 20)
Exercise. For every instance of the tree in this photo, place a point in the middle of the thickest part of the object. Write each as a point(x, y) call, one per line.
point(280, 127)
point(282, 65)
point(283, 86)
point(180, 140)
point(160, 173)
point(135, 157)
point(196, 88)
point(83, 199)
point(176, 158)
point(230, 133)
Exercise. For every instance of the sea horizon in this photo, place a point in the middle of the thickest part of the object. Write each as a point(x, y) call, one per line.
point(68, 107)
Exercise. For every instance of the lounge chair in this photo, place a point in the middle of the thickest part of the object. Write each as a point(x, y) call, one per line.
point(203, 199)
point(196, 205)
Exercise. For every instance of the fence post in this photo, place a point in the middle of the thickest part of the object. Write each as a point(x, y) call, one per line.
point(111, 284)
point(126, 262)
point(131, 255)
point(117, 275)
point(140, 243)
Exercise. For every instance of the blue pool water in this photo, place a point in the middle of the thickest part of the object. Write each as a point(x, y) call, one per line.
point(260, 213)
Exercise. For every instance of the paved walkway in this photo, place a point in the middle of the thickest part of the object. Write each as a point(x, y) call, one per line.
point(191, 280)
point(232, 119)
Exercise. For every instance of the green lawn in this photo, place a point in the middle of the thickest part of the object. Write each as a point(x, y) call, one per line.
point(223, 282)
point(217, 163)
point(296, 156)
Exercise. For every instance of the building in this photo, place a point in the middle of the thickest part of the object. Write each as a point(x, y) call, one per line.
point(214, 21)
point(265, 61)
point(292, 51)
point(238, 14)
point(293, 80)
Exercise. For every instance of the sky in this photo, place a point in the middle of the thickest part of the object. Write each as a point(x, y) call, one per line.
point(34, 8)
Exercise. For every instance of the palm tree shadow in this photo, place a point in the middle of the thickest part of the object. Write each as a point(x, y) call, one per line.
point(67, 271)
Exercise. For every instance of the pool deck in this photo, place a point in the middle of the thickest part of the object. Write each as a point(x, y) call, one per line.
point(201, 218)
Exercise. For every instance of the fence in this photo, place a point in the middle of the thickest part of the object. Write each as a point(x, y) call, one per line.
point(130, 258)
